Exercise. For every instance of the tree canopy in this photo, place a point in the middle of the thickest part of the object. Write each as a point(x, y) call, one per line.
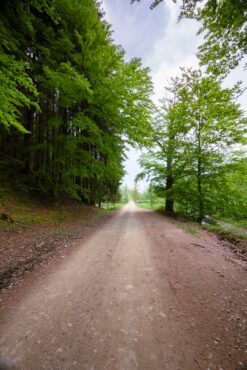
point(197, 138)
point(69, 101)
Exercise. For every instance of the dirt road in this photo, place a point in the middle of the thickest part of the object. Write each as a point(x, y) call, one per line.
point(137, 293)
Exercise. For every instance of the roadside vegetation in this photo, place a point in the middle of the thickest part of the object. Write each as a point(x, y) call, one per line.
point(21, 211)
point(233, 230)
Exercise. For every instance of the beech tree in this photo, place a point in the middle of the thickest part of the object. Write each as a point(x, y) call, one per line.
point(196, 140)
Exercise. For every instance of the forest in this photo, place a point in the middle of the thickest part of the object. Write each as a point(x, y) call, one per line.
point(71, 104)
point(69, 101)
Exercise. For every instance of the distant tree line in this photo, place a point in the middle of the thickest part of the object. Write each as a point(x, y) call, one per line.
point(69, 101)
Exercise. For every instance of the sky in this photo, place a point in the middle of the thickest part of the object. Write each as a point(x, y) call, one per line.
point(163, 44)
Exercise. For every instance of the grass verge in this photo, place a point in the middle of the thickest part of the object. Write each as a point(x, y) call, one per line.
point(156, 206)
point(112, 206)
point(22, 211)
point(230, 235)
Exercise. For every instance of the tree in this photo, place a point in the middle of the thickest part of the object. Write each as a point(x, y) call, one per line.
point(195, 141)
point(153, 4)
point(17, 89)
point(70, 101)
point(224, 25)
point(167, 158)
point(216, 124)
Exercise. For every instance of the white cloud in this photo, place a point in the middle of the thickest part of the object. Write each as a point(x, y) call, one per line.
point(135, 27)
point(163, 43)
point(166, 71)
point(174, 49)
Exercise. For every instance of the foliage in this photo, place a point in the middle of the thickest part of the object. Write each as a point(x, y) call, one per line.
point(224, 24)
point(196, 157)
point(70, 103)
point(14, 81)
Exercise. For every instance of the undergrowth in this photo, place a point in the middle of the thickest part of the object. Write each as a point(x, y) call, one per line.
point(229, 235)
point(25, 210)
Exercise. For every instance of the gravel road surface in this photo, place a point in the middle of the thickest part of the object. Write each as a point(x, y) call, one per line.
point(138, 292)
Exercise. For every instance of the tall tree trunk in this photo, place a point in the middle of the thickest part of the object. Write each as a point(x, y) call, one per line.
point(200, 193)
point(28, 139)
point(169, 207)
point(199, 178)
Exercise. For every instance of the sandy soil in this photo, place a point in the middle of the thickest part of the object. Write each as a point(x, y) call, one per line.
point(138, 292)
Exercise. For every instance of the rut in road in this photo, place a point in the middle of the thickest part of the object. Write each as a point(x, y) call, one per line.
point(137, 293)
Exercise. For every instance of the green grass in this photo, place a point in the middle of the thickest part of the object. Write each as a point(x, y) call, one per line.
point(235, 222)
point(190, 230)
point(27, 211)
point(156, 206)
point(112, 206)
point(229, 235)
